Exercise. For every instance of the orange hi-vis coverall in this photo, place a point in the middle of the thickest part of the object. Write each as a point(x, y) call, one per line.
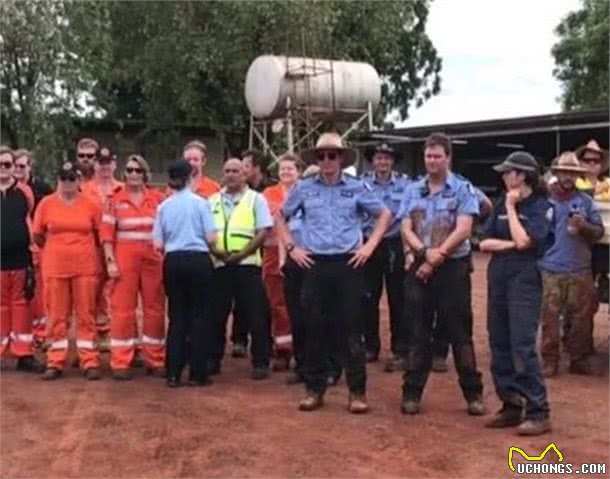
point(93, 189)
point(205, 188)
point(38, 308)
point(273, 278)
point(69, 265)
point(15, 319)
point(128, 227)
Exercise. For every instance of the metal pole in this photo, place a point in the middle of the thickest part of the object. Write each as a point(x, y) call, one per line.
point(251, 133)
point(557, 142)
point(370, 110)
point(289, 132)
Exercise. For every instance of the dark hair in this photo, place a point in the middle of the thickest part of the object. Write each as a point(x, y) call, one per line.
point(439, 139)
point(179, 173)
point(257, 158)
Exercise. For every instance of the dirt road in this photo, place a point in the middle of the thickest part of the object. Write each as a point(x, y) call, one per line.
point(241, 428)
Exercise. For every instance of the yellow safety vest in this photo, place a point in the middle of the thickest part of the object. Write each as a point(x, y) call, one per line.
point(236, 231)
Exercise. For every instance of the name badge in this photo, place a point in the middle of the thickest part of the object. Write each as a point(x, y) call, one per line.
point(347, 193)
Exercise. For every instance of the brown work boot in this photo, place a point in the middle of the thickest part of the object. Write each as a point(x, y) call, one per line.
point(549, 369)
point(587, 366)
point(534, 427)
point(311, 402)
point(508, 416)
point(357, 404)
point(51, 374)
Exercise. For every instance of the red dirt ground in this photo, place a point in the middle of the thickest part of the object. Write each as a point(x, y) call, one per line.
point(241, 428)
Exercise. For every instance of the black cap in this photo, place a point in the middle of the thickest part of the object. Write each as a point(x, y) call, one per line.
point(385, 149)
point(105, 154)
point(518, 160)
point(68, 170)
point(179, 170)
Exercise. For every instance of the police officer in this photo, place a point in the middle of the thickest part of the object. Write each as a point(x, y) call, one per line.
point(518, 233)
point(438, 213)
point(332, 254)
point(243, 220)
point(387, 263)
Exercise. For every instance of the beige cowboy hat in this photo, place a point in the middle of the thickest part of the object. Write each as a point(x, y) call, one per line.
point(330, 142)
point(593, 146)
point(567, 162)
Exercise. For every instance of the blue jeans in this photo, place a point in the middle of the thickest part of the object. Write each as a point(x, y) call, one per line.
point(513, 312)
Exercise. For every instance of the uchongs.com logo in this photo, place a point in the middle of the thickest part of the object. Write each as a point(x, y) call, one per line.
point(533, 463)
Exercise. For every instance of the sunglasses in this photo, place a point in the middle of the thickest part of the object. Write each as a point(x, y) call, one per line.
point(6, 165)
point(331, 155)
point(104, 161)
point(68, 177)
point(20, 166)
point(88, 156)
point(590, 160)
point(129, 169)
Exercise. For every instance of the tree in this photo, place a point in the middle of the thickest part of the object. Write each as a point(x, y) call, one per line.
point(581, 56)
point(186, 61)
point(51, 54)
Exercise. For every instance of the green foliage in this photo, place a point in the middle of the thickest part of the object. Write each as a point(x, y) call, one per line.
point(188, 60)
point(581, 56)
point(51, 54)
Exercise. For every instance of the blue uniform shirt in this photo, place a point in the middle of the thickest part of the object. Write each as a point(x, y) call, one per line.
point(434, 216)
point(391, 193)
point(262, 215)
point(182, 222)
point(536, 215)
point(570, 253)
point(331, 214)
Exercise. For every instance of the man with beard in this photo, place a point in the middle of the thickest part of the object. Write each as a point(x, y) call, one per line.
point(568, 285)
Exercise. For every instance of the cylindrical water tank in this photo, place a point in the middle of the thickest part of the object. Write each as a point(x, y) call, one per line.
point(310, 83)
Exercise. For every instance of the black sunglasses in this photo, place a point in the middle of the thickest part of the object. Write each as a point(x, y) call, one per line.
point(20, 166)
point(331, 155)
point(7, 165)
point(104, 161)
point(590, 160)
point(137, 170)
point(89, 156)
point(68, 177)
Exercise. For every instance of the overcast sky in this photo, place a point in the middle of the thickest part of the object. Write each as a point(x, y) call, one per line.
point(497, 59)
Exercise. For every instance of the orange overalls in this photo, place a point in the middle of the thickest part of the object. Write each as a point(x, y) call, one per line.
point(129, 228)
point(15, 318)
point(93, 189)
point(273, 278)
point(205, 188)
point(38, 309)
point(70, 268)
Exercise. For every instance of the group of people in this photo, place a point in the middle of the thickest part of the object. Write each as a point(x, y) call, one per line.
point(300, 265)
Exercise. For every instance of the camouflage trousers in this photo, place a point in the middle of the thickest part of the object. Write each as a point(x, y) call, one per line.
point(574, 295)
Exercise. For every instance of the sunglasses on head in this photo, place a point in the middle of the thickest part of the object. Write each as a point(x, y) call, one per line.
point(7, 165)
point(88, 156)
point(134, 169)
point(331, 155)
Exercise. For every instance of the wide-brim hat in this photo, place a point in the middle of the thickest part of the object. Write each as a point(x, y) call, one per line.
point(330, 142)
point(518, 160)
point(569, 163)
point(593, 146)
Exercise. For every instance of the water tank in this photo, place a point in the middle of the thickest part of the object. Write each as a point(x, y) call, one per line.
point(271, 79)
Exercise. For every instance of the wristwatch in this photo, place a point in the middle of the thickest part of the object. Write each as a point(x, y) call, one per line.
point(290, 247)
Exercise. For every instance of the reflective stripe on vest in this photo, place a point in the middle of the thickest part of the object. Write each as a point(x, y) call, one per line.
point(127, 223)
point(235, 233)
point(134, 235)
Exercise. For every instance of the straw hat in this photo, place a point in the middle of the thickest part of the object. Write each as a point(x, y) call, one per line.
point(330, 142)
point(593, 146)
point(567, 162)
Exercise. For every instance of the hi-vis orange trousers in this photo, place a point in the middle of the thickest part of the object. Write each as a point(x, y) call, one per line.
point(15, 318)
point(102, 294)
point(64, 295)
point(274, 286)
point(141, 271)
point(38, 308)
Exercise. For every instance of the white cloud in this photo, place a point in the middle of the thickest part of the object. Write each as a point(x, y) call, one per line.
point(497, 59)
